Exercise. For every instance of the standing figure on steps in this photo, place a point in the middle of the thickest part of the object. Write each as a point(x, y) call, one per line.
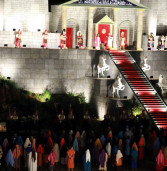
point(110, 41)
point(18, 39)
point(45, 38)
point(163, 39)
point(79, 40)
point(63, 39)
point(122, 42)
point(151, 42)
point(97, 42)
point(117, 86)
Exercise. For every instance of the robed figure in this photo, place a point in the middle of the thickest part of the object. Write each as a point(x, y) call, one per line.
point(79, 40)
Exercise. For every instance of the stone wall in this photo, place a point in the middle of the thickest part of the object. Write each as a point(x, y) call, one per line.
point(154, 15)
point(1, 14)
point(25, 15)
point(60, 71)
point(157, 60)
point(70, 70)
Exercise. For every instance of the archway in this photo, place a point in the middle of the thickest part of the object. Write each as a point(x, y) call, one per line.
point(128, 29)
point(103, 25)
point(72, 28)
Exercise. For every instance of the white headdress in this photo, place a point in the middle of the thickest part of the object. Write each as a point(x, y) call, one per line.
point(87, 155)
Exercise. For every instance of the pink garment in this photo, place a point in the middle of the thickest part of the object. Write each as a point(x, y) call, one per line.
point(97, 42)
point(51, 158)
point(160, 158)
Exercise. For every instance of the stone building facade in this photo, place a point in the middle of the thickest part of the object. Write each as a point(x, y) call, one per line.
point(34, 15)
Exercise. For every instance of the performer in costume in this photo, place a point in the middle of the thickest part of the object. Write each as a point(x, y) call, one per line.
point(151, 42)
point(63, 39)
point(122, 42)
point(18, 39)
point(70, 160)
point(97, 42)
point(163, 42)
point(110, 41)
point(45, 38)
point(79, 40)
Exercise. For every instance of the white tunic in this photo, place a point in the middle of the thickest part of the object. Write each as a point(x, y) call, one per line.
point(110, 40)
point(123, 41)
point(32, 165)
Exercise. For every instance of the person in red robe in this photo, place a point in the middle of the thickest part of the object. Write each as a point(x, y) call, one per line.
point(50, 141)
point(159, 161)
point(141, 147)
point(62, 143)
point(79, 40)
point(39, 155)
point(18, 39)
point(45, 38)
point(63, 39)
point(16, 156)
point(70, 161)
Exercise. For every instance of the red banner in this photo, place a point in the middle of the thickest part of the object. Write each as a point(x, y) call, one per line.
point(104, 30)
point(69, 37)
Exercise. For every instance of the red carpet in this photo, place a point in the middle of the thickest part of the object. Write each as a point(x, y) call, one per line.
point(141, 87)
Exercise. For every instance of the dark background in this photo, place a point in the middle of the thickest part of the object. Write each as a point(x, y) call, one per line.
point(53, 2)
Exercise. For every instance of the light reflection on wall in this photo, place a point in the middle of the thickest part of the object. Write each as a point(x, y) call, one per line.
point(152, 24)
point(79, 87)
point(8, 70)
point(11, 23)
point(36, 22)
point(25, 15)
point(101, 106)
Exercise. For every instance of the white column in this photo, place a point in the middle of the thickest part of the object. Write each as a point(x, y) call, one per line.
point(152, 23)
point(90, 27)
point(1, 14)
point(64, 17)
point(139, 29)
point(115, 33)
point(74, 37)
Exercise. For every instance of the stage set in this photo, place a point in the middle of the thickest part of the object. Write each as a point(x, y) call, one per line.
point(108, 50)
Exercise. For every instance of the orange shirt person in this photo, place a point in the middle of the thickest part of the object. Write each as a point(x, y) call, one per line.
point(70, 161)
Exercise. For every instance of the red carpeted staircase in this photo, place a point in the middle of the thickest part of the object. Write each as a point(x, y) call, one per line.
point(141, 86)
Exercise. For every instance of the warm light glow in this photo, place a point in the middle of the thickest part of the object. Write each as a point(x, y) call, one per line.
point(36, 22)
point(8, 70)
point(101, 106)
point(11, 23)
point(152, 24)
point(80, 87)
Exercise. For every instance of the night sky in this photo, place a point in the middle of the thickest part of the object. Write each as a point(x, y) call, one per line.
point(52, 2)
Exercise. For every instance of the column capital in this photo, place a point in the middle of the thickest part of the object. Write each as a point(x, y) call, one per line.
point(91, 8)
point(140, 10)
point(116, 9)
point(63, 6)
